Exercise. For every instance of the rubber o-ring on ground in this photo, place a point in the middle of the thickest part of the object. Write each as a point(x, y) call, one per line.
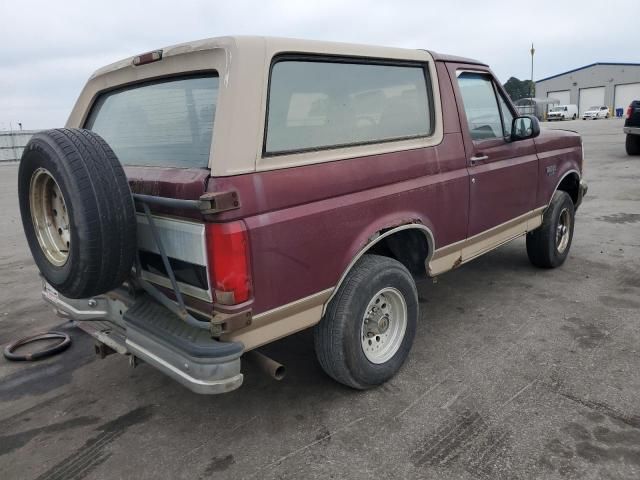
point(47, 352)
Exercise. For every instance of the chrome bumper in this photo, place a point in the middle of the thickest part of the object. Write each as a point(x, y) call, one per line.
point(102, 317)
point(631, 130)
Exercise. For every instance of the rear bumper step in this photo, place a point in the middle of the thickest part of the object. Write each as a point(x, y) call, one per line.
point(145, 329)
point(187, 354)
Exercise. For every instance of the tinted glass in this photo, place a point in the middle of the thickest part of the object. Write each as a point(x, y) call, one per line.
point(480, 105)
point(321, 104)
point(167, 123)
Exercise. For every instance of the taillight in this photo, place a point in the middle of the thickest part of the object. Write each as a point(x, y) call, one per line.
point(629, 111)
point(228, 255)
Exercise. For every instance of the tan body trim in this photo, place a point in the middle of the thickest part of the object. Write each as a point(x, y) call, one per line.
point(275, 324)
point(456, 254)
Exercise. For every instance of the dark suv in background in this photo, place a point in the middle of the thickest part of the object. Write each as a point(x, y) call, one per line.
point(632, 128)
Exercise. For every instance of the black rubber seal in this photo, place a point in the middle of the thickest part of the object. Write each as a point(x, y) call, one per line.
point(47, 352)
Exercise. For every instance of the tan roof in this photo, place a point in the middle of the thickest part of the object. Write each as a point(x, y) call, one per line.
point(262, 43)
point(242, 63)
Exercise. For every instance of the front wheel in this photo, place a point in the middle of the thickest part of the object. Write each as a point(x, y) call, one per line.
point(548, 246)
point(369, 326)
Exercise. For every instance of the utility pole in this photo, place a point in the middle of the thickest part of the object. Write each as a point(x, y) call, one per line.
point(533, 50)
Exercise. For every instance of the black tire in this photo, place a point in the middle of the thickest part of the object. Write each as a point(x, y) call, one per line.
point(542, 247)
point(337, 337)
point(99, 207)
point(632, 144)
point(574, 116)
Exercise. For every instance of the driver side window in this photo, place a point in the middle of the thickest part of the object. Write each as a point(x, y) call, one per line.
point(488, 115)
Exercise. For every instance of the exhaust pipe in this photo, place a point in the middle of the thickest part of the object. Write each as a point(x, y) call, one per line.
point(269, 366)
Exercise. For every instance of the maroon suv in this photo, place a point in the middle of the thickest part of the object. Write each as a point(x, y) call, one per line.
point(211, 197)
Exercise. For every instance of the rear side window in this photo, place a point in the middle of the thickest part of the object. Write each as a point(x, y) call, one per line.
point(317, 104)
point(168, 123)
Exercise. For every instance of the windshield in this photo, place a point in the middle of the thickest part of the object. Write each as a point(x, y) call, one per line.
point(594, 108)
point(164, 123)
point(557, 109)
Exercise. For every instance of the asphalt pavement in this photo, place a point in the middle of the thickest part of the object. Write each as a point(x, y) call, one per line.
point(515, 373)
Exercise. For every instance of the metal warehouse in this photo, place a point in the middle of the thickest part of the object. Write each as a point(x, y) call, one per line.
point(612, 84)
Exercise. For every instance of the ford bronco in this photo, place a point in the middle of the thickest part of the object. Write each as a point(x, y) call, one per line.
point(208, 198)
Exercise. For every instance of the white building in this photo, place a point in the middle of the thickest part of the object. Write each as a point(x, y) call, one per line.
point(612, 84)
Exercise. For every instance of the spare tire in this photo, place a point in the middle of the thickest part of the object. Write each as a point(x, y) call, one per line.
point(77, 211)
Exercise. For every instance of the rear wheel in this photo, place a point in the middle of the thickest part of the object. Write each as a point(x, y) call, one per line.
point(548, 246)
point(369, 327)
point(632, 144)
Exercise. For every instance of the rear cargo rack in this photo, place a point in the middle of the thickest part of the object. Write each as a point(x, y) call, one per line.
point(180, 309)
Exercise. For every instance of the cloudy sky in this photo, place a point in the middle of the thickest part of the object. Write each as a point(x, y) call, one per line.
point(49, 48)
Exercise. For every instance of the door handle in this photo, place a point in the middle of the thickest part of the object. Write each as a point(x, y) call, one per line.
point(475, 160)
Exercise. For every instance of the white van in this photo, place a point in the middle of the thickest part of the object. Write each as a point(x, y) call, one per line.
point(563, 112)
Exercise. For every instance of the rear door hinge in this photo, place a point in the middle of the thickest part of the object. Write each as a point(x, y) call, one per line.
point(229, 322)
point(216, 202)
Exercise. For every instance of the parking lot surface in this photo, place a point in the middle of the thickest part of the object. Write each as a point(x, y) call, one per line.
point(515, 373)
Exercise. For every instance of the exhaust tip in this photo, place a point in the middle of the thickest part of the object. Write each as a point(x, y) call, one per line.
point(275, 370)
point(279, 373)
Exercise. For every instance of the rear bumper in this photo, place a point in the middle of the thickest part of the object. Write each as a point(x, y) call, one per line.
point(148, 331)
point(631, 130)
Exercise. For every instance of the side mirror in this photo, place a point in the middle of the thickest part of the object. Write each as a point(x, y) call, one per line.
point(526, 126)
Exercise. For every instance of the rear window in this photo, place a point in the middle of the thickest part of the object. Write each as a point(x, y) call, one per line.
point(167, 123)
point(317, 104)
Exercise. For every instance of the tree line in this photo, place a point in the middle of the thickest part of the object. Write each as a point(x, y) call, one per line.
point(518, 89)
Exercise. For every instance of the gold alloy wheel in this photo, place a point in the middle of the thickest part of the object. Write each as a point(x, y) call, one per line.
point(49, 216)
point(563, 230)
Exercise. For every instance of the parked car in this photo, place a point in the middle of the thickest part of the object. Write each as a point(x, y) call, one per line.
point(212, 197)
point(632, 128)
point(563, 112)
point(595, 113)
